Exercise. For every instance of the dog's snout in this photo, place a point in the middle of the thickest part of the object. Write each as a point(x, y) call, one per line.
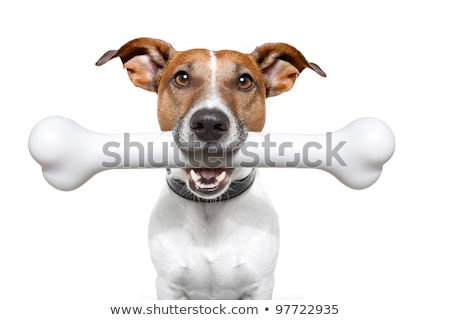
point(209, 125)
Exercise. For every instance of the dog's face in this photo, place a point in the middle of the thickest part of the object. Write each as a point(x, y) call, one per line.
point(210, 99)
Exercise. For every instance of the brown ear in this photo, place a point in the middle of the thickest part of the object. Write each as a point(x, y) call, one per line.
point(144, 59)
point(281, 64)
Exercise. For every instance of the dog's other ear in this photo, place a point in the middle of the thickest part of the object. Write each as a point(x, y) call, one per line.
point(144, 59)
point(281, 64)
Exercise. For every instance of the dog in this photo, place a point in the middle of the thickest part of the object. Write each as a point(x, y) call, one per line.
point(213, 233)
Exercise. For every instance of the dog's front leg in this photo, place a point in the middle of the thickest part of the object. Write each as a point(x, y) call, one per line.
point(167, 290)
point(261, 290)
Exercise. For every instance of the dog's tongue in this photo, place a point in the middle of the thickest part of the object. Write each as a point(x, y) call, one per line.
point(208, 174)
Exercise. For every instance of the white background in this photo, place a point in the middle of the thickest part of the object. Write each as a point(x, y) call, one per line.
point(380, 253)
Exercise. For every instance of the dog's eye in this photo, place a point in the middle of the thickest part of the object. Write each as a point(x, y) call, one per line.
point(181, 79)
point(244, 82)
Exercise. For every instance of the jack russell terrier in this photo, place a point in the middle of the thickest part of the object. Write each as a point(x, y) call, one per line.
point(213, 233)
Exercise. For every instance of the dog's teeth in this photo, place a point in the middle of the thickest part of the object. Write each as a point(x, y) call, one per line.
point(196, 177)
point(221, 177)
point(208, 186)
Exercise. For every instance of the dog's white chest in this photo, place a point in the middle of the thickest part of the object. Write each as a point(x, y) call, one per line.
point(211, 273)
point(213, 257)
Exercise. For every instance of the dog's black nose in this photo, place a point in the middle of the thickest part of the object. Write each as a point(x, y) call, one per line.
point(209, 124)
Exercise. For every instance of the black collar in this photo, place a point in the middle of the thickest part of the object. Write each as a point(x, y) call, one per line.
point(236, 188)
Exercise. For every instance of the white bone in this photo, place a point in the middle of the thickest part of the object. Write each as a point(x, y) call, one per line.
point(70, 155)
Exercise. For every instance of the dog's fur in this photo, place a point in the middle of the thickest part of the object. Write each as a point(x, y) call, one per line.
point(211, 249)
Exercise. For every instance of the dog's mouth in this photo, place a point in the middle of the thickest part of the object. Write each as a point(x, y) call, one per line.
point(208, 182)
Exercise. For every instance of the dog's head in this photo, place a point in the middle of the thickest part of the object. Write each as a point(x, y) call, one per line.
point(210, 98)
